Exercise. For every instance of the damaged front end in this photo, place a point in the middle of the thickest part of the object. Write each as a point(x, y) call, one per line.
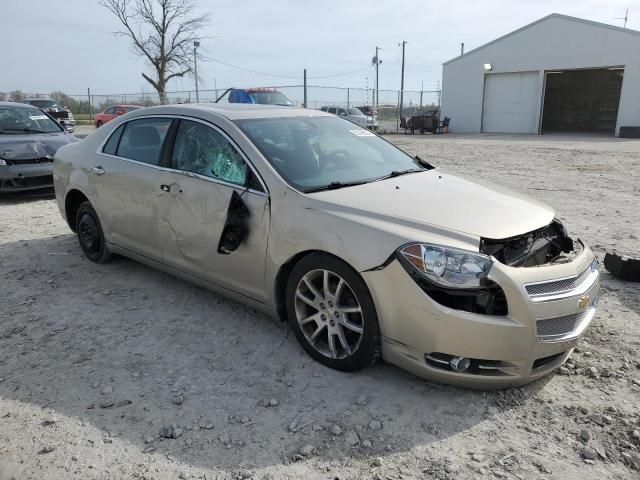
point(547, 245)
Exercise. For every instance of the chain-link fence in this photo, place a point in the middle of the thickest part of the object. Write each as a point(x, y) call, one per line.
point(386, 102)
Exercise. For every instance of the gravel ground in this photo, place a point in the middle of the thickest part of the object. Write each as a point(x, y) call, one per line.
point(121, 372)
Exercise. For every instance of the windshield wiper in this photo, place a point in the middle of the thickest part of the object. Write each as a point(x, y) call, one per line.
point(333, 186)
point(397, 173)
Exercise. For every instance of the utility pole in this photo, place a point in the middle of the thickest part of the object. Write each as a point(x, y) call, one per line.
point(305, 88)
point(462, 49)
point(377, 61)
point(402, 79)
point(421, 90)
point(625, 18)
point(196, 44)
point(90, 108)
point(366, 81)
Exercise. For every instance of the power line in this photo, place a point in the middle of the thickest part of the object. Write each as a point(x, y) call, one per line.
point(257, 72)
point(250, 70)
point(343, 74)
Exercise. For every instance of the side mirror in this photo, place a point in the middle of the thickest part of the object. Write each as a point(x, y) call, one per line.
point(119, 112)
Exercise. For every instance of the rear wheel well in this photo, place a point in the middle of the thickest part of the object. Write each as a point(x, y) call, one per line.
point(71, 203)
point(283, 276)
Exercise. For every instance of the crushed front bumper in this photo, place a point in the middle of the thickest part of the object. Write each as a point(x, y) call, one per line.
point(23, 177)
point(536, 337)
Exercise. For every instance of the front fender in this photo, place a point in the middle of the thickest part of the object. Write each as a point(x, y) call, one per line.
point(363, 240)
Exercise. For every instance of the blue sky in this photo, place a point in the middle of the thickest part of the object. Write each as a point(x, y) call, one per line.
point(69, 45)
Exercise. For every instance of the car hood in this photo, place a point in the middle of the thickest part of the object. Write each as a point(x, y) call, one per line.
point(24, 147)
point(444, 200)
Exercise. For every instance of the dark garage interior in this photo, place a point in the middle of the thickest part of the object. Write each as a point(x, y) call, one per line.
point(582, 100)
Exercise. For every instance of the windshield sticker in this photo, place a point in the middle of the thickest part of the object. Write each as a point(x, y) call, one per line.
point(38, 117)
point(362, 133)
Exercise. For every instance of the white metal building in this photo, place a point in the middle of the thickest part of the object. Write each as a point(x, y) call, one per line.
point(559, 73)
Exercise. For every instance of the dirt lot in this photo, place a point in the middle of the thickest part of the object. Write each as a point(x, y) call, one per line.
point(99, 363)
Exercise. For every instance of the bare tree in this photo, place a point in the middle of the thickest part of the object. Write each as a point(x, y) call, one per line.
point(162, 32)
point(17, 96)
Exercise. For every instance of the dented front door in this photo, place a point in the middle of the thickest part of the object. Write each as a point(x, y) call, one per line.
point(195, 211)
point(207, 170)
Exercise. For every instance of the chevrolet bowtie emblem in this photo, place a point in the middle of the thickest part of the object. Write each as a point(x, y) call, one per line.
point(583, 302)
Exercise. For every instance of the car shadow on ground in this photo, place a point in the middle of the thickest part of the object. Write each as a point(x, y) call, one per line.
point(26, 197)
point(130, 350)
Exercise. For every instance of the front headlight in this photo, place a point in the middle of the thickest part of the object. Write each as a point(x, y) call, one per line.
point(3, 162)
point(448, 267)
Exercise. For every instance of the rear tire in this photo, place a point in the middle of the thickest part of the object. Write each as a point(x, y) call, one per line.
point(331, 312)
point(90, 234)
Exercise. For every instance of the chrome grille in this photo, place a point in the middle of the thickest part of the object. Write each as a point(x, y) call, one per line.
point(564, 287)
point(562, 328)
point(28, 161)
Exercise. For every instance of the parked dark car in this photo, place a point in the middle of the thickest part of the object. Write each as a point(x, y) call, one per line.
point(60, 113)
point(29, 138)
point(368, 110)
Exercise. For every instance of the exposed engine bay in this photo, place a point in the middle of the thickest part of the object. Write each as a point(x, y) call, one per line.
point(546, 245)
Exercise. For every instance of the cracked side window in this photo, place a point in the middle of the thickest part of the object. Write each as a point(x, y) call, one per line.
point(205, 151)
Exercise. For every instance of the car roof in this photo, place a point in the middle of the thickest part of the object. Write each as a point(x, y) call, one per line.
point(13, 104)
point(257, 90)
point(236, 111)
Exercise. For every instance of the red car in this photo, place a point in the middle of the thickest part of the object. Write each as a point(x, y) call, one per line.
point(112, 112)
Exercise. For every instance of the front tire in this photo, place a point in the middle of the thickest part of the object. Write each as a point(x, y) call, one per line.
point(98, 124)
point(331, 312)
point(90, 234)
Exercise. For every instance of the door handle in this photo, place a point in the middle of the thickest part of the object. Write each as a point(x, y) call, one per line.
point(174, 189)
point(98, 170)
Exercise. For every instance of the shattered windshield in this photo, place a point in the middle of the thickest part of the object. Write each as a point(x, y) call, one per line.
point(313, 153)
point(17, 120)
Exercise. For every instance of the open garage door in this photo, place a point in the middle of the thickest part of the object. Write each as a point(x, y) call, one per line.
point(582, 100)
point(510, 103)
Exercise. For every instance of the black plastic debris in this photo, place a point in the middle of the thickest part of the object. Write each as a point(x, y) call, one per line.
point(236, 226)
point(625, 269)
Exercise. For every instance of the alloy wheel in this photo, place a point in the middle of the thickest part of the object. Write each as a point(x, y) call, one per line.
point(329, 314)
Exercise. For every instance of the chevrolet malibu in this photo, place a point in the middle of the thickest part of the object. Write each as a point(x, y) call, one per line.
point(366, 251)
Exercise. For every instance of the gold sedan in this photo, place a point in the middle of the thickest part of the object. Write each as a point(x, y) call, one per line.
point(364, 250)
